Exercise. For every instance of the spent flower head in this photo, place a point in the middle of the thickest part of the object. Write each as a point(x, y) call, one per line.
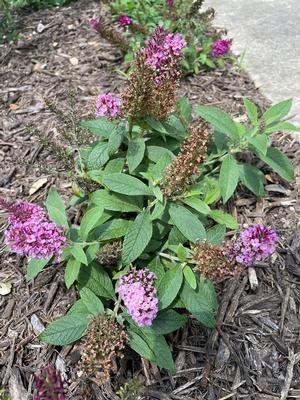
point(139, 295)
point(220, 47)
point(107, 105)
point(49, 385)
point(253, 244)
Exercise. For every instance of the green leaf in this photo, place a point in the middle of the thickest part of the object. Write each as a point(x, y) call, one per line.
point(279, 162)
point(169, 286)
point(185, 109)
point(137, 237)
point(199, 305)
point(139, 345)
point(253, 179)
point(116, 138)
point(95, 278)
point(187, 223)
point(157, 267)
point(72, 271)
point(115, 165)
point(55, 207)
point(114, 202)
point(111, 230)
point(190, 277)
point(92, 251)
point(219, 119)
point(34, 267)
point(281, 126)
point(90, 220)
point(78, 308)
point(278, 111)
point(77, 251)
point(167, 321)
point(154, 153)
point(91, 301)
point(216, 234)
point(101, 126)
point(197, 204)
point(98, 156)
point(65, 330)
point(126, 184)
point(223, 218)
point(155, 124)
point(181, 253)
point(229, 177)
point(251, 110)
point(260, 142)
point(135, 153)
point(162, 353)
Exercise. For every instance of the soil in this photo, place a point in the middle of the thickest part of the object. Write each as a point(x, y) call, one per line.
point(254, 353)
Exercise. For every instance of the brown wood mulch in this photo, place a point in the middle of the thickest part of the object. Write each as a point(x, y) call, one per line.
point(254, 353)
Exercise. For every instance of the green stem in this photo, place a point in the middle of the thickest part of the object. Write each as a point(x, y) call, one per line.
point(116, 309)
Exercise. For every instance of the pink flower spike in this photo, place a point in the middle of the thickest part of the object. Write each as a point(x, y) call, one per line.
point(170, 2)
point(107, 105)
point(220, 47)
point(49, 385)
point(93, 22)
point(124, 20)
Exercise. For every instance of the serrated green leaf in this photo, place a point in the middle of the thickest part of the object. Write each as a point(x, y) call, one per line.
point(218, 119)
point(278, 111)
point(253, 179)
point(216, 234)
point(90, 220)
point(190, 276)
point(114, 165)
point(56, 208)
point(126, 184)
point(72, 271)
point(260, 142)
point(162, 353)
point(111, 230)
point(137, 237)
point(154, 153)
point(114, 202)
point(181, 253)
point(187, 223)
point(100, 126)
point(77, 251)
point(224, 218)
point(98, 156)
point(169, 286)
point(197, 204)
point(167, 321)
point(65, 330)
point(95, 278)
point(251, 110)
point(91, 301)
point(78, 308)
point(34, 267)
point(229, 177)
point(185, 109)
point(135, 153)
point(138, 344)
point(281, 126)
point(157, 267)
point(279, 162)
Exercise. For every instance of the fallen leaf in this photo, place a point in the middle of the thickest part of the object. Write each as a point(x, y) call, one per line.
point(41, 27)
point(74, 61)
point(39, 67)
point(5, 288)
point(37, 185)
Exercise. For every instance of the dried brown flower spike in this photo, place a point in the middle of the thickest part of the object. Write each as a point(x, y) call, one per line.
point(102, 345)
point(192, 154)
point(212, 263)
point(110, 253)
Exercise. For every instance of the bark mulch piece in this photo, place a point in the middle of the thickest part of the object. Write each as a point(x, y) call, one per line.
point(254, 352)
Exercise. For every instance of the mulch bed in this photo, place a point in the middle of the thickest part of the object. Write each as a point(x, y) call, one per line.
point(254, 353)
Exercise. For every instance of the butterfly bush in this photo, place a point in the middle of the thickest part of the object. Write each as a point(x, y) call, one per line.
point(220, 47)
point(139, 295)
point(253, 244)
point(49, 385)
point(170, 2)
point(30, 232)
point(107, 105)
point(125, 20)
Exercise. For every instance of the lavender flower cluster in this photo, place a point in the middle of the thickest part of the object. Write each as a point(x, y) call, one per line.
point(30, 232)
point(107, 105)
point(49, 385)
point(253, 244)
point(139, 295)
point(220, 47)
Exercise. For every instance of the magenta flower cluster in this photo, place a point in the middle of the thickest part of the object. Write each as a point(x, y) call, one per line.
point(139, 295)
point(31, 233)
point(170, 2)
point(163, 51)
point(93, 22)
point(125, 20)
point(220, 47)
point(107, 105)
point(254, 244)
point(49, 385)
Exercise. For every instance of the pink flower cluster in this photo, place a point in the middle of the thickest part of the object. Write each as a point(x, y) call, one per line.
point(31, 233)
point(94, 24)
point(125, 20)
point(170, 2)
point(220, 47)
point(49, 385)
point(107, 105)
point(139, 295)
point(253, 244)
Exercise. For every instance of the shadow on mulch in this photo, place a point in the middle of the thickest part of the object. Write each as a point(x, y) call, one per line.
point(254, 352)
